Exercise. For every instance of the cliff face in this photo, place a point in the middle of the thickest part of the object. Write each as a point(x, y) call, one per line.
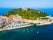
point(26, 13)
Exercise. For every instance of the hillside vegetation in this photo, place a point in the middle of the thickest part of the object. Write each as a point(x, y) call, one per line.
point(26, 13)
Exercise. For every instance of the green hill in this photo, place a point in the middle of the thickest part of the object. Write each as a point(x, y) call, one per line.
point(26, 13)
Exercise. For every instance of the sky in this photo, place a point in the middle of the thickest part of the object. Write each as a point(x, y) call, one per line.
point(26, 3)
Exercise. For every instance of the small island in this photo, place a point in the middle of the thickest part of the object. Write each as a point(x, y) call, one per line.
point(23, 17)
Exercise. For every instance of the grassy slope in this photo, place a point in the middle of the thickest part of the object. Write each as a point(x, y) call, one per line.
point(27, 14)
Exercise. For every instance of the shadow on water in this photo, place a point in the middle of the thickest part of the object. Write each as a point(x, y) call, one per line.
point(29, 33)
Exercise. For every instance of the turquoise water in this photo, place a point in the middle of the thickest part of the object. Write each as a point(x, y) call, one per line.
point(28, 33)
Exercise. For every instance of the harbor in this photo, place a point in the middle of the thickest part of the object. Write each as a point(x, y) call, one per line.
point(14, 22)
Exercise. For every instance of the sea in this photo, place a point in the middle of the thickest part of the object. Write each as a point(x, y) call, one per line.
point(44, 32)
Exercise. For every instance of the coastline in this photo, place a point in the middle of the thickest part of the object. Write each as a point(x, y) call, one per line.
point(14, 28)
point(13, 22)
